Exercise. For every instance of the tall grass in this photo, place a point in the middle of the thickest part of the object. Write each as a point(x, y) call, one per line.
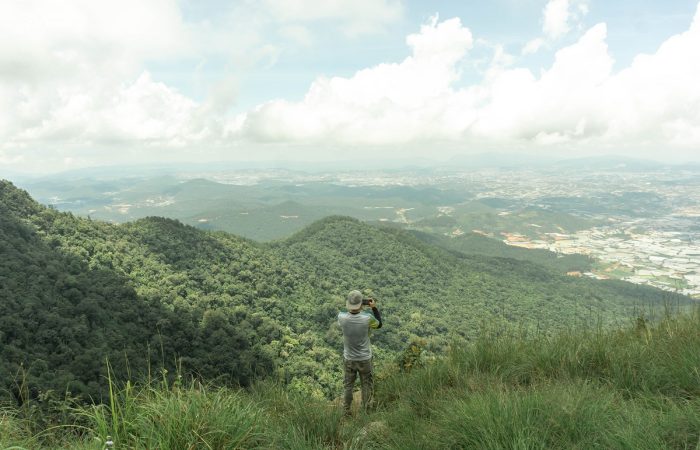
point(645, 359)
point(634, 388)
point(12, 430)
point(159, 416)
point(637, 388)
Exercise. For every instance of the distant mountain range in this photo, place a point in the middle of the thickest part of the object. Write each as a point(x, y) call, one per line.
point(469, 161)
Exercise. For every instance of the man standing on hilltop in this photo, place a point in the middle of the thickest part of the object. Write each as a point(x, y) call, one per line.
point(357, 353)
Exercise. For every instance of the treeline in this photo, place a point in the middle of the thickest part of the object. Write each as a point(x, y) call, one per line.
point(156, 294)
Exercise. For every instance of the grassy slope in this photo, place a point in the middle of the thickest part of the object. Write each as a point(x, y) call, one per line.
point(635, 388)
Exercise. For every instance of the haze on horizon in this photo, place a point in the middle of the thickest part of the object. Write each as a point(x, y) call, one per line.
point(89, 83)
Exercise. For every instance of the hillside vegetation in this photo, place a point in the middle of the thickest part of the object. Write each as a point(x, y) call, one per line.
point(635, 388)
point(155, 293)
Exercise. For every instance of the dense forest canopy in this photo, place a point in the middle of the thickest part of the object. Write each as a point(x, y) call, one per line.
point(156, 294)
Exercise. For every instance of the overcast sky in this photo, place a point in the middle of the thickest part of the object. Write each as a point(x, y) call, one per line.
point(92, 82)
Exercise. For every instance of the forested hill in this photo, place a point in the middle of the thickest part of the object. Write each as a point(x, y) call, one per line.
point(431, 292)
point(75, 293)
point(155, 293)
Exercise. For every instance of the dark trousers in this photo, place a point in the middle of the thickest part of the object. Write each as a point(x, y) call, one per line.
point(352, 368)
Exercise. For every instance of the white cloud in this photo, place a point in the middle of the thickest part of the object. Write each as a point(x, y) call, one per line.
point(144, 111)
point(578, 101)
point(44, 39)
point(558, 18)
point(521, 106)
point(72, 79)
point(65, 68)
point(356, 17)
point(386, 103)
point(533, 46)
point(657, 98)
point(72, 72)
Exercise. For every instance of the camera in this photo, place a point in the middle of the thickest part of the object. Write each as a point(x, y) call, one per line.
point(365, 301)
